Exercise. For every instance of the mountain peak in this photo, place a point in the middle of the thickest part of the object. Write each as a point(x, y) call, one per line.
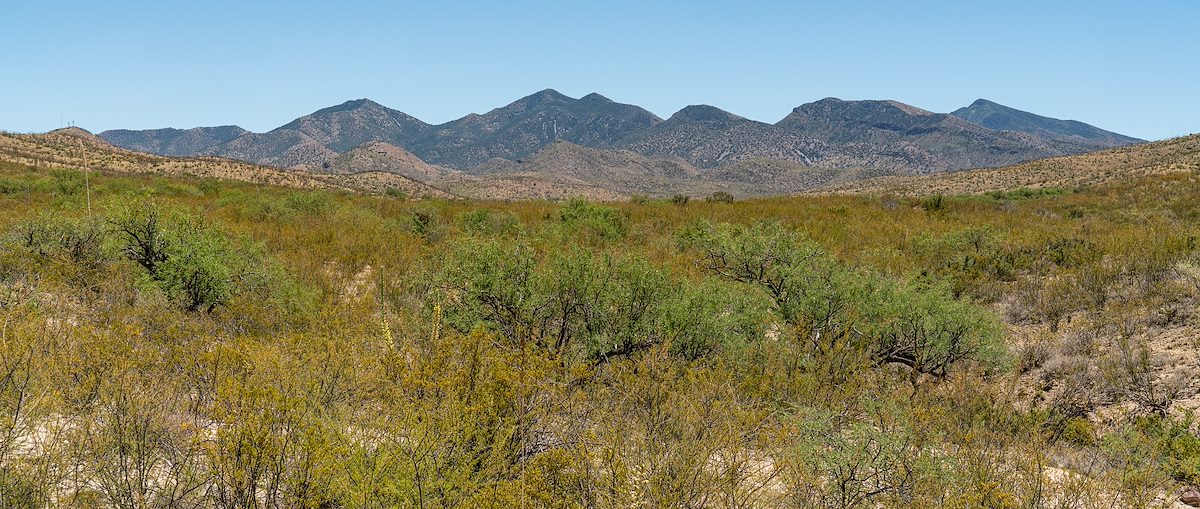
point(704, 113)
point(548, 94)
point(859, 107)
point(351, 105)
point(595, 97)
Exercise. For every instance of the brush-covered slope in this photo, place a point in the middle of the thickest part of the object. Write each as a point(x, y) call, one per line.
point(1178, 155)
point(617, 170)
point(78, 149)
point(383, 156)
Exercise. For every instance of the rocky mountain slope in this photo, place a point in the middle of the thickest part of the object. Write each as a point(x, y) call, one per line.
point(174, 142)
point(708, 137)
point(313, 140)
point(1070, 132)
point(527, 125)
point(894, 135)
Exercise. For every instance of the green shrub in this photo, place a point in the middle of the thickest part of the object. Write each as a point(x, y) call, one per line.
point(74, 248)
point(604, 222)
point(933, 203)
point(1078, 431)
point(489, 222)
point(67, 182)
point(680, 199)
point(194, 264)
point(594, 307)
point(198, 269)
point(713, 316)
point(921, 325)
point(10, 186)
point(309, 202)
point(426, 223)
point(917, 324)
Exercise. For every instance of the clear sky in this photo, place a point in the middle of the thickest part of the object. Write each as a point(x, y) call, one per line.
point(1132, 67)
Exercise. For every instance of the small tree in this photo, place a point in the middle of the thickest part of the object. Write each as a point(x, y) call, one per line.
point(144, 240)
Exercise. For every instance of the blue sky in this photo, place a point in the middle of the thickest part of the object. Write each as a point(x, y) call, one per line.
point(1132, 67)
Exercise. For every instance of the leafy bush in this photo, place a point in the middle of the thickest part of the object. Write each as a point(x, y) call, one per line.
point(192, 263)
point(201, 268)
point(67, 182)
point(489, 222)
point(11, 186)
point(73, 248)
point(713, 317)
point(426, 223)
point(592, 306)
point(310, 202)
point(604, 222)
point(917, 324)
point(933, 203)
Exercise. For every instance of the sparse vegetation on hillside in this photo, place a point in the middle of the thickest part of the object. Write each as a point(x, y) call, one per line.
point(227, 344)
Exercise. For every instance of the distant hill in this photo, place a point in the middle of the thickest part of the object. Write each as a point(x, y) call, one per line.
point(894, 135)
point(79, 149)
point(997, 116)
point(383, 156)
point(173, 142)
point(617, 170)
point(310, 141)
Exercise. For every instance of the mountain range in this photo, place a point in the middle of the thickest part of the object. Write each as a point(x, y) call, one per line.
point(866, 137)
point(563, 169)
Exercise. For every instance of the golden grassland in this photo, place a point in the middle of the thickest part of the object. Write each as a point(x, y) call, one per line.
point(318, 348)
